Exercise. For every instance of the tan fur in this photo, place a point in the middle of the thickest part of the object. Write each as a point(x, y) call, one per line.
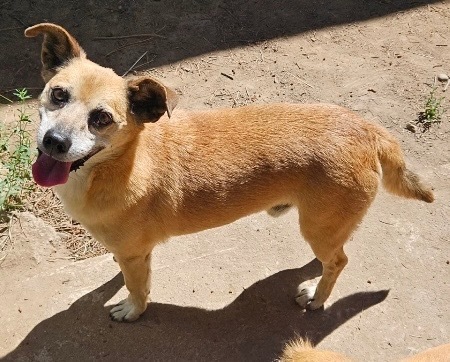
point(300, 350)
point(436, 354)
point(158, 177)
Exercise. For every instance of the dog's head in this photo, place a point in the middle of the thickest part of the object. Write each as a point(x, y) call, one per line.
point(86, 108)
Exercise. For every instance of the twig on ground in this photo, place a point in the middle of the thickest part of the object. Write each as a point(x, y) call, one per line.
point(226, 75)
point(127, 45)
point(385, 222)
point(137, 61)
point(18, 20)
point(153, 35)
point(5, 98)
point(144, 64)
point(12, 28)
point(300, 79)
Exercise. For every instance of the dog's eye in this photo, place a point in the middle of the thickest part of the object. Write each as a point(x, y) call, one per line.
point(100, 119)
point(59, 96)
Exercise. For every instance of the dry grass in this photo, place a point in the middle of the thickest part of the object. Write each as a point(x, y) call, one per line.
point(44, 204)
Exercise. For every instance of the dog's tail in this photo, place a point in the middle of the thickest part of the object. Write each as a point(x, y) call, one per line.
point(300, 350)
point(397, 179)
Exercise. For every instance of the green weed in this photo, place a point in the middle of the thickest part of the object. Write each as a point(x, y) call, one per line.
point(16, 157)
point(433, 111)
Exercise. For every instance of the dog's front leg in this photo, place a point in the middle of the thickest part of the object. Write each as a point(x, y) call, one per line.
point(136, 272)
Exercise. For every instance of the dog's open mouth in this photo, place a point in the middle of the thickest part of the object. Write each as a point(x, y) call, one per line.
point(49, 172)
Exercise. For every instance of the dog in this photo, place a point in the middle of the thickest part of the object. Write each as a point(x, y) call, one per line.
point(134, 173)
point(300, 350)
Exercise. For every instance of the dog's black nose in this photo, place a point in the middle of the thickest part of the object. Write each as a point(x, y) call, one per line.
point(55, 142)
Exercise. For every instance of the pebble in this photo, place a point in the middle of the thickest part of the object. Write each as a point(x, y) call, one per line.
point(411, 127)
point(442, 77)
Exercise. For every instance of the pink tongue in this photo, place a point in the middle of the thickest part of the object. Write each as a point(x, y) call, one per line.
point(49, 172)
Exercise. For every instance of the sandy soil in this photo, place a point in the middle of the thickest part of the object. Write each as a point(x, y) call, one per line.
point(226, 294)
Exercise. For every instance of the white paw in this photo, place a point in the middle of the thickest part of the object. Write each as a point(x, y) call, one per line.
point(125, 311)
point(314, 304)
point(305, 296)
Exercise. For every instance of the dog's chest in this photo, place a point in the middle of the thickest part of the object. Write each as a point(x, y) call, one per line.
point(73, 195)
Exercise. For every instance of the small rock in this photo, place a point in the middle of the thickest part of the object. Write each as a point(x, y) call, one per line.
point(34, 242)
point(411, 127)
point(442, 77)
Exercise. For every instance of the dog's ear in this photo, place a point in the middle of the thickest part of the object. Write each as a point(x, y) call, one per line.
point(57, 48)
point(149, 99)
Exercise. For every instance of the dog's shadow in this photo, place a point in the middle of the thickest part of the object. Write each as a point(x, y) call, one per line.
point(253, 327)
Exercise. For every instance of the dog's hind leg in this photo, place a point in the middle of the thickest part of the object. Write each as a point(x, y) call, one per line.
point(136, 272)
point(313, 297)
point(327, 233)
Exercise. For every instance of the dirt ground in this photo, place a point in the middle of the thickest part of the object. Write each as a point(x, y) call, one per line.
point(227, 294)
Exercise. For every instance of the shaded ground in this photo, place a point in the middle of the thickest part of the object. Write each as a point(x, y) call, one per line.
point(183, 28)
point(377, 58)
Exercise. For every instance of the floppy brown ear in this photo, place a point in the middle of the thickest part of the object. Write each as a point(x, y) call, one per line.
point(150, 99)
point(57, 48)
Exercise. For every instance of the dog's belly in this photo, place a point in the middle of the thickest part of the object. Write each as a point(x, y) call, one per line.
point(196, 220)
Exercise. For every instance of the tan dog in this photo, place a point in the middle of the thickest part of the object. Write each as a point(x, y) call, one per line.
point(133, 177)
point(300, 350)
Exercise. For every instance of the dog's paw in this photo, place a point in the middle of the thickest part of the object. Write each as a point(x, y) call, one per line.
point(125, 311)
point(305, 297)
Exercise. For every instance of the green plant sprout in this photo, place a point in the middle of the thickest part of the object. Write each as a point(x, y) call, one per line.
point(16, 157)
point(433, 111)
